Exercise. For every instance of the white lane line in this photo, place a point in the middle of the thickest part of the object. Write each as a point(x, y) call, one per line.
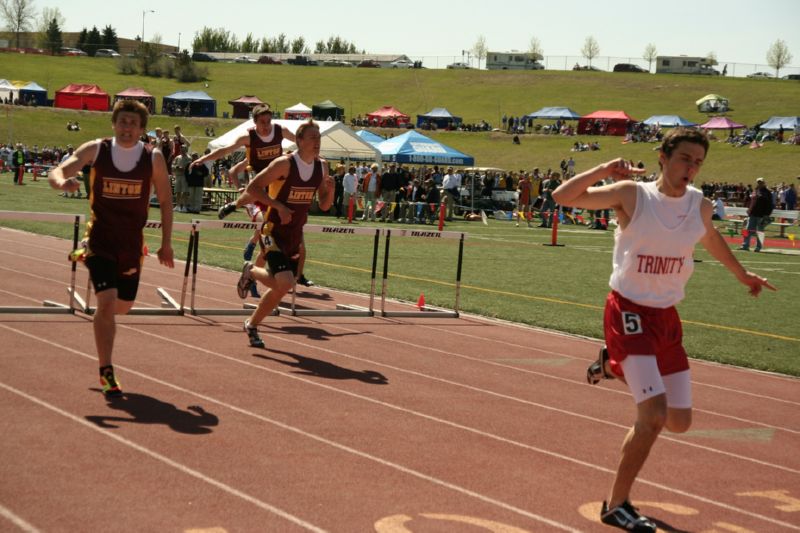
point(166, 460)
point(6, 513)
point(287, 427)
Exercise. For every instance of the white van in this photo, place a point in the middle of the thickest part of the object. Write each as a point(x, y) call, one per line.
point(685, 65)
point(513, 60)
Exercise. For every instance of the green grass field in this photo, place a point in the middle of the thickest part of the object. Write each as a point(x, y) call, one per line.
point(472, 94)
point(508, 274)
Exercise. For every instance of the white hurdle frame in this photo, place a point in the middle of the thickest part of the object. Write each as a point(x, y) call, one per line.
point(49, 307)
point(341, 309)
point(426, 311)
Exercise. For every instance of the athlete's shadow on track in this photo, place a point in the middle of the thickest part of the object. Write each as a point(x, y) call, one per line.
point(317, 334)
point(309, 366)
point(323, 296)
point(663, 526)
point(148, 410)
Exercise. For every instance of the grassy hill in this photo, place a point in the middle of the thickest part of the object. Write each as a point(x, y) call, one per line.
point(472, 94)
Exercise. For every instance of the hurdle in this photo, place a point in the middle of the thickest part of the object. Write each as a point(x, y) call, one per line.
point(247, 308)
point(426, 311)
point(48, 306)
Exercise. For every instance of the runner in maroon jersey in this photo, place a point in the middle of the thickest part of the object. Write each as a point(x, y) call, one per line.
point(287, 188)
point(123, 170)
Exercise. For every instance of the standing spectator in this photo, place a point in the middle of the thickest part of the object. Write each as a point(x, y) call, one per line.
point(452, 194)
point(548, 204)
point(180, 144)
point(432, 199)
point(660, 224)
point(571, 167)
point(371, 185)
point(388, 192)
point(338, 191)
point(350, 188)
point(413, 199)
point(18, 164)
point(525, 190)
point(179, 168)
point(791, 198)
point(719, 208)
point(757, 214)
point(195, 180)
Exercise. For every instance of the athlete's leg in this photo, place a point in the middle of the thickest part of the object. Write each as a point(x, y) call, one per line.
point(679, 401)
point(279, 284)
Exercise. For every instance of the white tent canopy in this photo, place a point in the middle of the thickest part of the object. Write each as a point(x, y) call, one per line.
point(8, 89)
point(298, 108)
point(338, 141)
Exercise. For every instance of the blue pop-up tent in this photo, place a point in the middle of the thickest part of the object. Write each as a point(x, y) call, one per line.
point(439, 116)
point(554, 113)
point(370, 137)
point(413, 147)
point(199, 104)
point(33, 92)
point(775, 123)
point(668, 121)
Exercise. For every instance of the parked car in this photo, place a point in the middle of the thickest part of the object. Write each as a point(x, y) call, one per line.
point(266, 60)
point(67, 51)
point(628, 67)
point(458, 64)
point(369, 63)
point(202, 56)
point(244, 59)
point(402, 63)
point(791, 77)
point(337, 63)
point(106, 52)
point(301, 60)
point(762, 75)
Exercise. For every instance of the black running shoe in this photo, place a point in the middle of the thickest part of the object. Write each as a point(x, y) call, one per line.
point(303, 280)
point(627, 517)
point(245, 280)
point(597, 370)
point(252, 333)
point(226, 210)
point(111, 388)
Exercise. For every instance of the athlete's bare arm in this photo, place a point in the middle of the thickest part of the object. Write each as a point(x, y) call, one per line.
point(716, 246)
point(288, 134)
point(257, 189)
point(325, 190)
point(240, 142)
point(63, 176)
point(160, 181)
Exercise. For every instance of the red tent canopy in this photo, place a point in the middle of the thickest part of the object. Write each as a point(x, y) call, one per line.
point(605, 123)
point(388, 115)
point(243, 105)
point(137, 93)
point(79, 96)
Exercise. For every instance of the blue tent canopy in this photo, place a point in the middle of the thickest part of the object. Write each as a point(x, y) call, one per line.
point(413, 147)
point(668, 121)
point(439, 116)
point(197, 103)
point(555, 113)
point(775, 123)
point(370, 137)
point(34, 91)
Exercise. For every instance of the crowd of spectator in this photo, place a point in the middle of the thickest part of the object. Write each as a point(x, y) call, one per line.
point(26, 100)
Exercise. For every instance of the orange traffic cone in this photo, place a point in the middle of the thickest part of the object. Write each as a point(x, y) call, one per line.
point(421, 301)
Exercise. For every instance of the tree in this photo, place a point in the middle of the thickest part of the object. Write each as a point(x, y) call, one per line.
point(250, 44)
point(109, 38)
point(650, 55)
point(43, 24)
point(82, 37)
point(299, 46)
point(53, 37)
point(535, 49)
point(778, 56)
point(93, 42)
point(711, 58)
point(590, 49)
point(479, 49)
point(18, 15)
point(214, 40)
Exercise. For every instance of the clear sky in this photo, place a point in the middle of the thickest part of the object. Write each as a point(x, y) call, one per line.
point(737, 31)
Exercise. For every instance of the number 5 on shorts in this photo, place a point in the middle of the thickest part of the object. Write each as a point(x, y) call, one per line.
point(631, 323)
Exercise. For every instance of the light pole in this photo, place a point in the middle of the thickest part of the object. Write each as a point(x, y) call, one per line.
point(179, 42)
point(144, 12)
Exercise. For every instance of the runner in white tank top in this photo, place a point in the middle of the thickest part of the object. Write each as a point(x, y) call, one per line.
point(659, 225)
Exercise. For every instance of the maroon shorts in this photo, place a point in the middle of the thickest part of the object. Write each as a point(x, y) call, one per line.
point(632, 329)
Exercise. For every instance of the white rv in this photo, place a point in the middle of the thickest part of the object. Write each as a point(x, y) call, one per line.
point(513, 60)
point(685, 65)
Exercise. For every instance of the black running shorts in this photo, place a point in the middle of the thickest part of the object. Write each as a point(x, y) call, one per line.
point(106, 275)
point(278, 262)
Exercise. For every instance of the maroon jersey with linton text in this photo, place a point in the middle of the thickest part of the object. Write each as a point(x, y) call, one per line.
point(297, 195)
point(119, 202)
point(260, 154)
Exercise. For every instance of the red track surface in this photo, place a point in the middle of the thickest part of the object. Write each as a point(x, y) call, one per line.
point(353, 424)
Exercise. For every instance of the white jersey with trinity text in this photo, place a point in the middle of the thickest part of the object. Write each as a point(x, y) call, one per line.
point(653, 256)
